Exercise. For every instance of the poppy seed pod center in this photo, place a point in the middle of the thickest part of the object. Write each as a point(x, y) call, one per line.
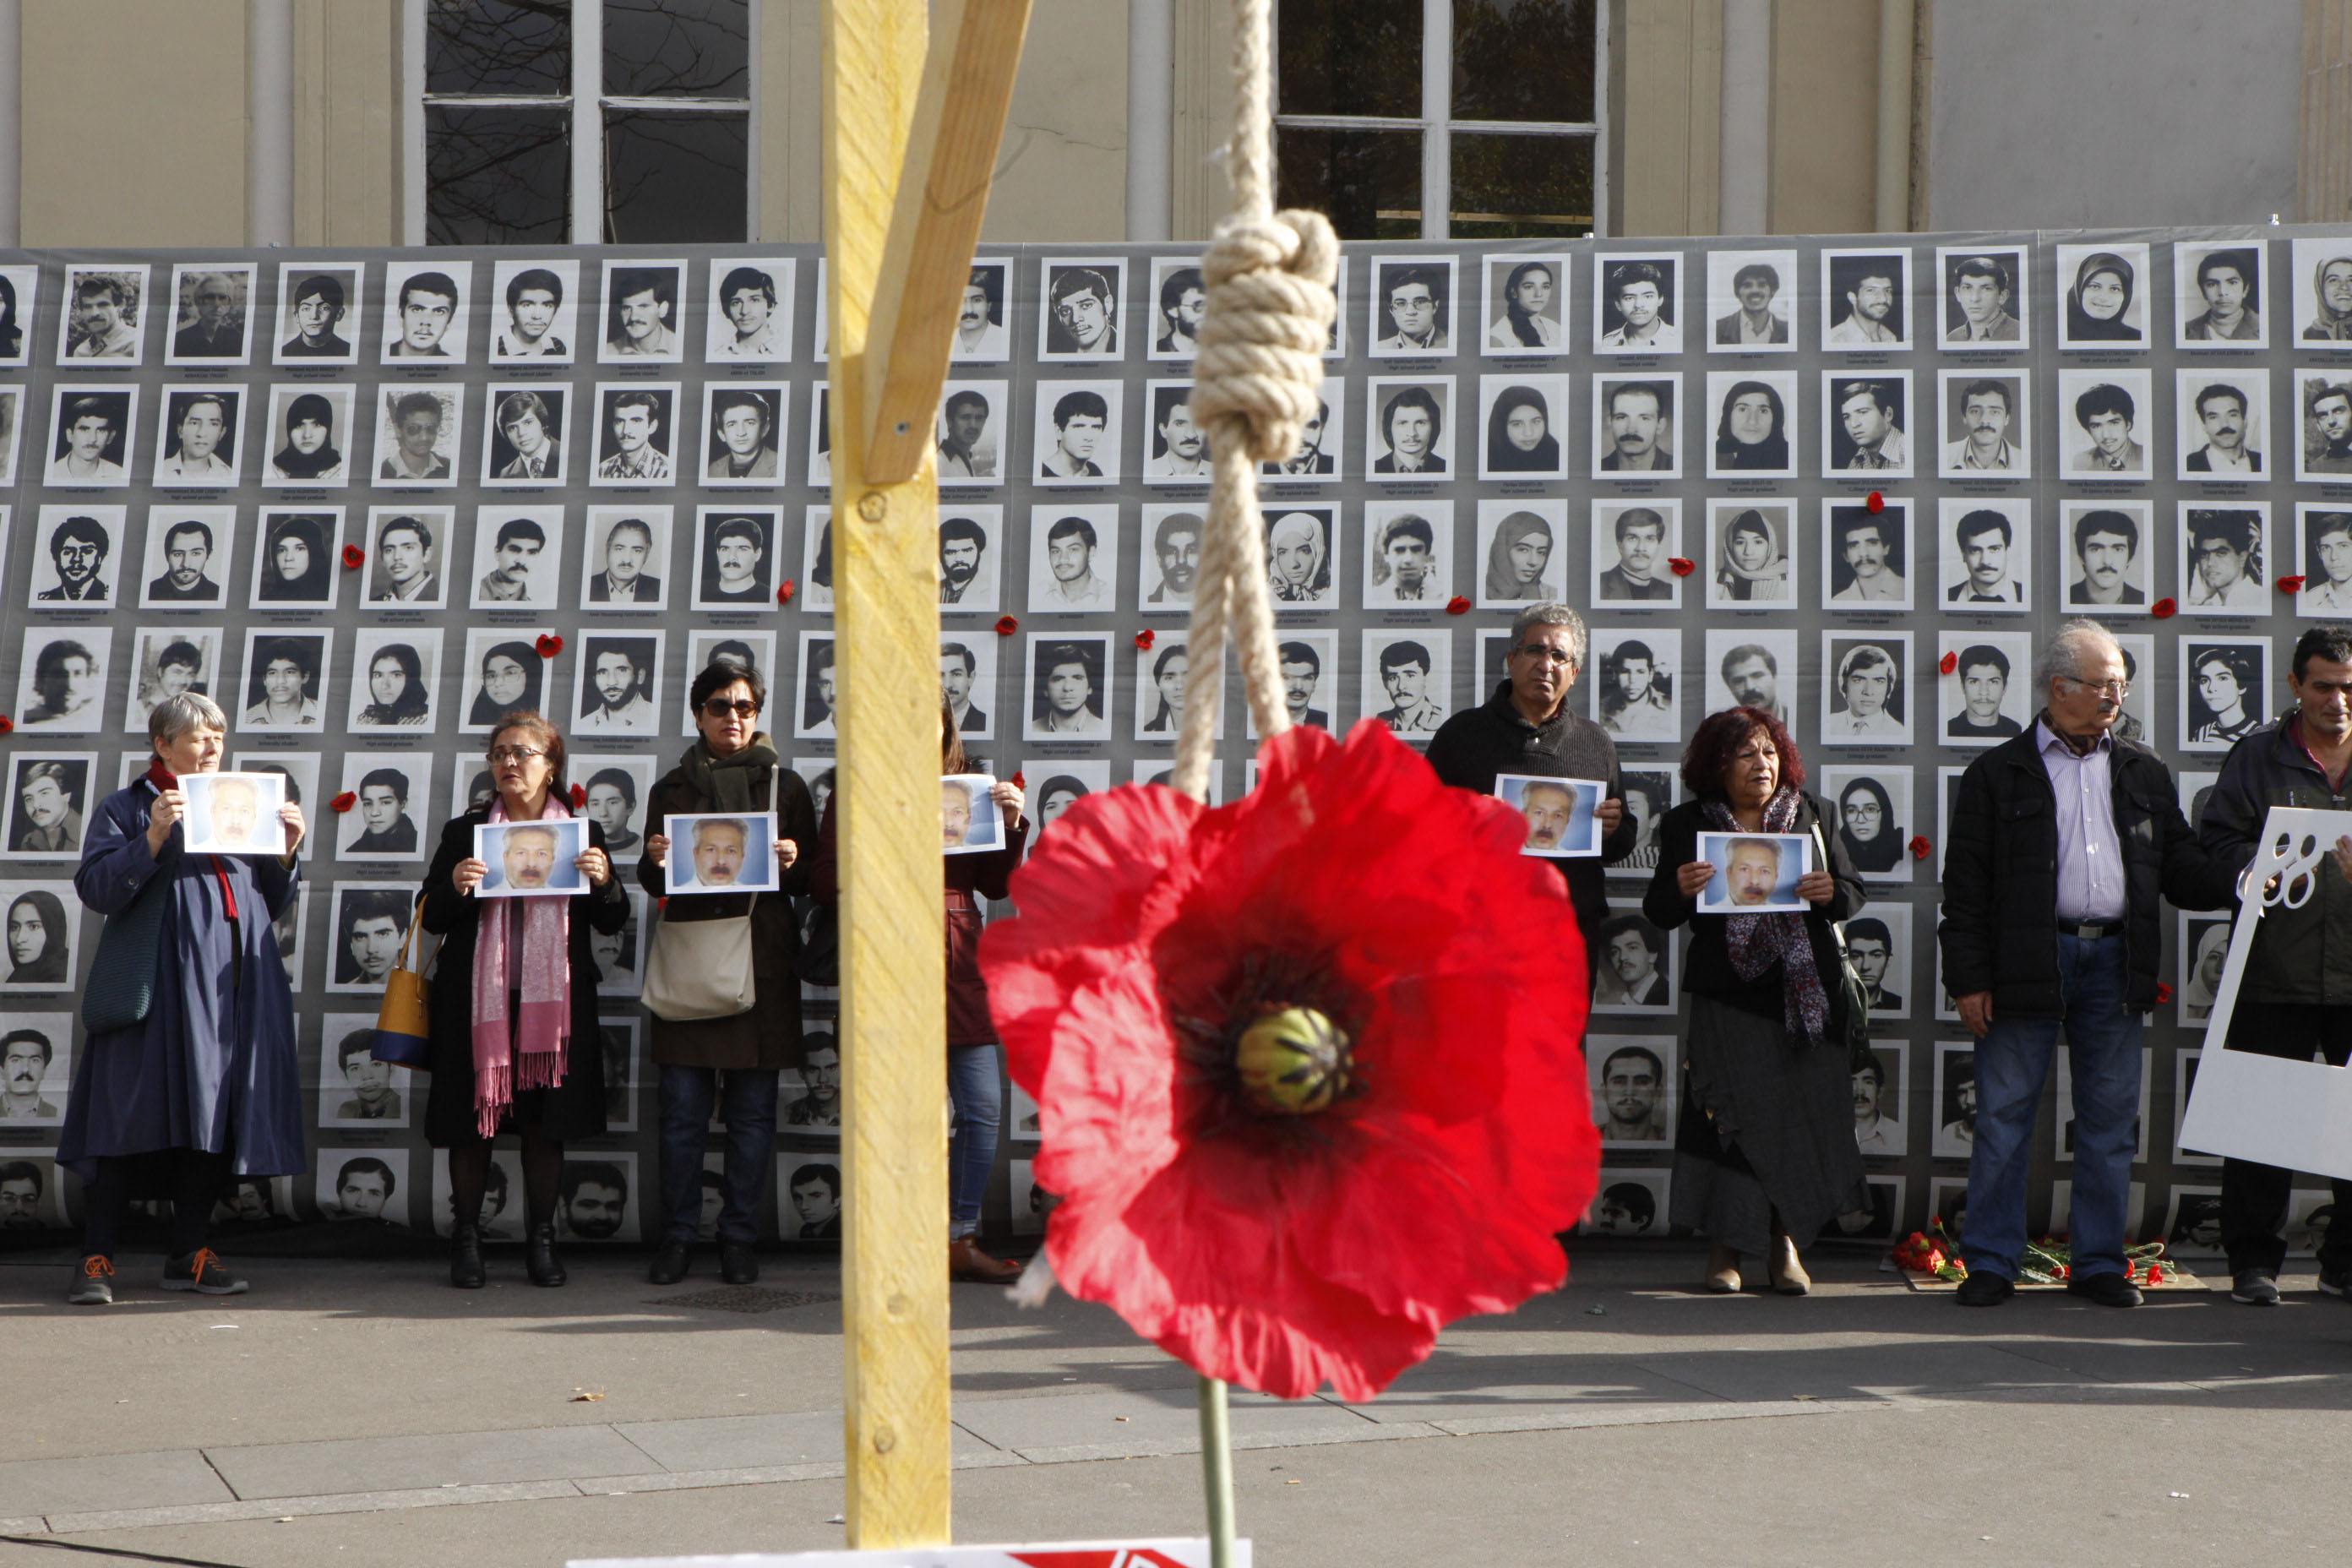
point(1293, 1060)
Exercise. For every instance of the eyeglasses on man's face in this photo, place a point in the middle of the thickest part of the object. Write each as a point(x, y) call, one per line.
point(740, 708)
point(1546, 653)
point(2118, 690)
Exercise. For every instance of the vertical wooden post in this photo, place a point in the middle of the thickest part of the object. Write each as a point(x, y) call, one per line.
point(894, 984)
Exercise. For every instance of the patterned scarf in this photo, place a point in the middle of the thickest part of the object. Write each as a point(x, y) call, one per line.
point(1759, 941)
point(528, 1052)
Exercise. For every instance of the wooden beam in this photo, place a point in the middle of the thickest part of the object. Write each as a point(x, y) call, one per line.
point(942, 195)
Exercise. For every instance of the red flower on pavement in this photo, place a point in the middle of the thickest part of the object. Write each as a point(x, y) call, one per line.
point(1146, 638)
point(1457, 605)
point(785, 589)
point(2291, 585)
point(1305, 1066)
point(353, 556)
point(1006, 626)
point(2163, 609)
point(1681, 565)
point(343, 802)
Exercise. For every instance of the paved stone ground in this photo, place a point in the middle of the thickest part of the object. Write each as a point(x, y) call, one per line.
point(361, 1414)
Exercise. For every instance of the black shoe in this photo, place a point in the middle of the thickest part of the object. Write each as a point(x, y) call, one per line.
point(2109, 1289)
point(2335, 1279)
point(91, 1290)
point(466, 1271)
point(738, 1264)
point(1983, 1288)
point(539, 1257)
point(2255, 1288)
point(670, 1264)
point(200, 1271)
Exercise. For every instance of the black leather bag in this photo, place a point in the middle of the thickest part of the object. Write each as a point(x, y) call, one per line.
point(1854, 996)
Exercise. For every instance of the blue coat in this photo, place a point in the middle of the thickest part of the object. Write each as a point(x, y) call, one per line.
point(214, 1065)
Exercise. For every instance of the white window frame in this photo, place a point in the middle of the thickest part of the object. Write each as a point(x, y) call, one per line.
point(587, 102)
point(1437, 123)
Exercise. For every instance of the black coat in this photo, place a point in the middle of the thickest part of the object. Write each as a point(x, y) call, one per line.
point(2000, 929)
point(2300, 954)
point(573, 1108)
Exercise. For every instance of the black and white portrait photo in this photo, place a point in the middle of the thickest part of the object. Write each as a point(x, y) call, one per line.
point(639, 312)
point(1412, 437)
point(2204, 952)
point(1636, 306)
point(2184, 1070)
point(619, 968)
point(2137, 721)
point(1986, 432)
point(1062, 782)
point(1302, 556)
point(306, 437)
point(319, 312)
point(1984, 299)
point(103, 314)
point(1407, 554)
point(1630, 1204)
point(749, 320)
point(89, 439)
point(534, 311)
point(503, 670)
point(1866, 555)
point(820, 451)
point(501, 1216)
point(354, 1088)
point(427, 310)
point(42, 931)
point(1750, 307)
point(736, 558)
point(528, 438)
point(615, 679)
point(1865, 301)
point(1869, 810)
point(816, 718)
point(363, 1186)
point(1408, 680)
point(296, 564)
point(370, 920)
point(1987, 694)
point(77, 556)
point(618, 1036)
point(2218, 294)
point(971, 431)
point(1631, 1086)
point(1316, 459)
point(18, 286)
point(187, 550)
point(1632, 544)
point(1171, 564)
point(35, 1070)
point(625, 565)
point(2324, 549)
point(2320, 312)
point(13, 405)
point(1752, 554)
point(391, 792)
point(1412, 307)
point(815, 593)
point(1073, 558)
point(2226, 564)
point(1067, 686)
point(1752, 667)
point(967, 682)
point(1754, 428)
point(982, 335)
point(1865, 695)
point(2105, 304)
point(1175, 446)
point(61, 680)
point(1180, 297)
point(1079, 432)
point(1866, 424)
point(418, 434)
point(1521, 555)
point(1955, 1102)
point(1878, 1102)
point(1633, 968)
point(636, 432)
point(1160, 672)
point(2224, 690)
point(517, 549)
point(1633, 434)
point(1985, 556)
point(1527, 305)
point(1636, 677)
point(1078, 318)
point(405, 561)
point(616, 785)
point(1524, 419)
point(2222, 420)
point(396, 673)
point(197, 445)
point(166, 662)
point(1878, 1221)
point(2325, 397)
point(971, 557)
point(2106, 560)
point(48, 805)
point(285, 680)
point(212, 318)
point(2106, 422)
point(1309, 662)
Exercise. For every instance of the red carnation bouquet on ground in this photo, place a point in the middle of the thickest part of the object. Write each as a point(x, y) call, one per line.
point(1307, 1064)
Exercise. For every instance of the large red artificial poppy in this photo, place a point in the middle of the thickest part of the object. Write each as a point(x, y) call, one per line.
point(1423, 1179)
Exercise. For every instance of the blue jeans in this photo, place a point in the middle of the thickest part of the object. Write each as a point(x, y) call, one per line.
point(2012, 1062)
point(749, 1104)
point(975, 1086)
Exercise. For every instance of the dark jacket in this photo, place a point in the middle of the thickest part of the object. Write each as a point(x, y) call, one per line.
point(966, 875)
point(573, 1108)
point(1472, 746)
point(769, 1036)
point(2000, 929)
point(2299, 954)
point(1706, 967)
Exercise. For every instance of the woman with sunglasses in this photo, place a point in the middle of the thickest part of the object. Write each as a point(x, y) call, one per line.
point(731, 1062)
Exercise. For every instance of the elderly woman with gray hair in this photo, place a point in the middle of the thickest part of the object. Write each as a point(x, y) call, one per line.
point(206, 1086)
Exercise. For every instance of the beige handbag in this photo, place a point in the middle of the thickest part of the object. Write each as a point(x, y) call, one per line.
point(700, 969)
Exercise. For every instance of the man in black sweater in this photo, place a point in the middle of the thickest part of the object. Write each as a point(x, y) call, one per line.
point(1527, 727)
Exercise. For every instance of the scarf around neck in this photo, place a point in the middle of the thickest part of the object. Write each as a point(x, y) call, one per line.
point(727, 782)
point(525, 947)
point(1757, 943)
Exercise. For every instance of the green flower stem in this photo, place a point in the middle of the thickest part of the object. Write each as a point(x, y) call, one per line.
point(1217, 1469)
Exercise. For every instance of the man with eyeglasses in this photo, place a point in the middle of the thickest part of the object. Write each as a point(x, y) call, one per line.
point(1527, 726)
point(2064, 843)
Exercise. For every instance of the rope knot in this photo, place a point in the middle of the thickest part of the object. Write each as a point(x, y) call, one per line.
point(1258, 377)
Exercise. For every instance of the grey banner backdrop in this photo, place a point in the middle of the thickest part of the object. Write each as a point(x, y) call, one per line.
point(1528, 499)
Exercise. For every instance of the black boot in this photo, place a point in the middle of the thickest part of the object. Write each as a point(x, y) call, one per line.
point(465, 1258)
point(539, 1256)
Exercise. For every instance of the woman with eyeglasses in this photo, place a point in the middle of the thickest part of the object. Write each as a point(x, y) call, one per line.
point(516, 1046)
point(729, 1062)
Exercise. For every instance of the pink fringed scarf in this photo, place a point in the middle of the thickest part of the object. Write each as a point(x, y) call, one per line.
point(526, 1052)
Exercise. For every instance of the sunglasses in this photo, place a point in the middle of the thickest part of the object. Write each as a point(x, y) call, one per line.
point(720, 708)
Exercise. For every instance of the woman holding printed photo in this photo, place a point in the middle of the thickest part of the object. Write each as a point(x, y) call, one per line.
point(1764, 1149)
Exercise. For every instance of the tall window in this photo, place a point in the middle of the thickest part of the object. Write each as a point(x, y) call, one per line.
point(1443, 119)
point(543, 122)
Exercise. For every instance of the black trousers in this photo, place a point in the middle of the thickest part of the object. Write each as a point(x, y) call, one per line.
point(2254, 1195)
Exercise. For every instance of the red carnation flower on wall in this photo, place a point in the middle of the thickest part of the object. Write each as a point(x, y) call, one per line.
point(1146, 638)
point(785, 589)
point(578, 796)
point(353, 556)
point(1310, 1092)
point(1457, 605)
point(343, 802)
point(1006, 626)
point(548, 645)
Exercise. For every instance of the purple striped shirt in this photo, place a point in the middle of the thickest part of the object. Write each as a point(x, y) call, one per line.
point(2090, 854)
